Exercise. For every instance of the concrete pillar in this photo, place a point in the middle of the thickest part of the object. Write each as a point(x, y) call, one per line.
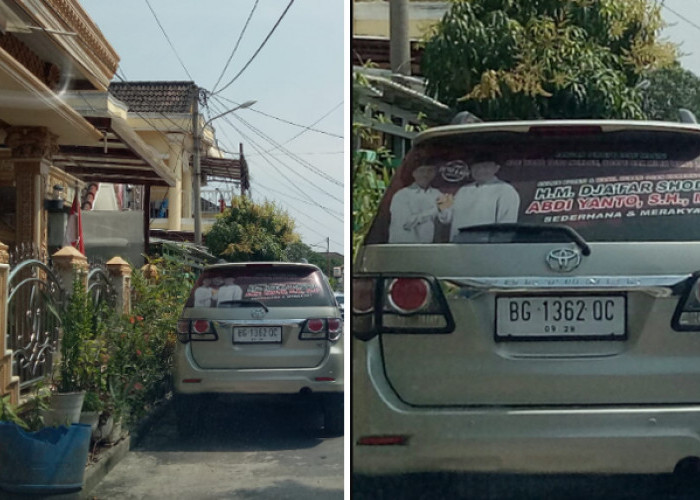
point(68, 261)
point(120, 272)
point(175, 207)
point(9, 384)
point(32, 149)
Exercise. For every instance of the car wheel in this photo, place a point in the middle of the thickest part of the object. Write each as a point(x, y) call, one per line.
point(333, 414)
point(187, 409)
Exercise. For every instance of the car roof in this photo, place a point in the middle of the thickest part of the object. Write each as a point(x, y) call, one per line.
point(525, 125)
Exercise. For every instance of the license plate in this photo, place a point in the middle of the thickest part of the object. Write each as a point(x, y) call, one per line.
point(257, 334)
point(561, 317)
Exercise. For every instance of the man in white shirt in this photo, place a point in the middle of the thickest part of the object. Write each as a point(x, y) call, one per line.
point(229, 291)
point(487, 200)
point(203, 294)
point(414, 209)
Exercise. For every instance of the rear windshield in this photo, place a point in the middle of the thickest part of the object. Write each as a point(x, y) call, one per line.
point(614, 186)
point(274, 286)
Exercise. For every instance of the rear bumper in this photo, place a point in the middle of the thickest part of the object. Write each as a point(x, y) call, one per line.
point(609, 440)
point(258, 381)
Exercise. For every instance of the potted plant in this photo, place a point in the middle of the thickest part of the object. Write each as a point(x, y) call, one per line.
point(37, 459)
point(79, 366)
point(92, 408)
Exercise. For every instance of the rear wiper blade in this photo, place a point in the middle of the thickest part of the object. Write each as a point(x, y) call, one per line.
point(242, 303)
point(538, 229)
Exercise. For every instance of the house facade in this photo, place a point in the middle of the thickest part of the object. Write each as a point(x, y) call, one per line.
point(60, 129)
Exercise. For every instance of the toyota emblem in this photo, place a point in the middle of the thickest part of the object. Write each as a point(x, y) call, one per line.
point(257, 313)
point(563, 260)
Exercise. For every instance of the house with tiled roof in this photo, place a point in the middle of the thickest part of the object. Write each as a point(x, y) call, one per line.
point(161, 113)
point(60, 129)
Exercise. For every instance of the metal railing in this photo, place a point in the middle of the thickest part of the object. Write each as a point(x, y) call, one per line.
point(35, 297)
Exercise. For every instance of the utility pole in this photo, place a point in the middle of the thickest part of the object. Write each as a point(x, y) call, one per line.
point(399, 44)
point(328, 257)
point(196, 169)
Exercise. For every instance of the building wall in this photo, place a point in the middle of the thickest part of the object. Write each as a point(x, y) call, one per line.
point(110, 233)
point(371, 18)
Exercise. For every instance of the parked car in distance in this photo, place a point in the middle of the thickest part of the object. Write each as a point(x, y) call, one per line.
point(259, 328)
point(340, 298)
point(527, 300)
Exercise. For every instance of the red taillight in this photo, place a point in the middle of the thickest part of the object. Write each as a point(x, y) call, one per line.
point(383, 440)
point(315, 325)
point(335, 328)
point(399, 304)
point(409, 294)
point(201, 326)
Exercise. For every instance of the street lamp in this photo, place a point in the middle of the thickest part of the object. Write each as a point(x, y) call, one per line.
point(196, 161)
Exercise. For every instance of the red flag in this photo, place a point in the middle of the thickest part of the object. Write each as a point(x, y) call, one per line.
point(74, 227)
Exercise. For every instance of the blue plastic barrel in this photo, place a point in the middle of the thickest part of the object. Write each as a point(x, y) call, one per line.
point(51, 460)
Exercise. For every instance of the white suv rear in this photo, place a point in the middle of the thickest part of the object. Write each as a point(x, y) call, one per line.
point(259, 328)
point(527, 300)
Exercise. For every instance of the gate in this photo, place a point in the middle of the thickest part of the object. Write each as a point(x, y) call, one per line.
point(35, 297)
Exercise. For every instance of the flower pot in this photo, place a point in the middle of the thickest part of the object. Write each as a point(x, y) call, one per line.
point(104, 428)
point(90, 418)
point(64, 408)
point(116, 432)
point(51, 460)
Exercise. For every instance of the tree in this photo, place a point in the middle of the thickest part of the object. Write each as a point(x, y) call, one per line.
point(298, 252)
point(519, 59)
point(371, 171)
point(249, 231)
point(669, 89)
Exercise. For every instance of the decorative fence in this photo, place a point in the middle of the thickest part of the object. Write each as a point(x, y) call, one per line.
point(35, 297)
point(36, 291)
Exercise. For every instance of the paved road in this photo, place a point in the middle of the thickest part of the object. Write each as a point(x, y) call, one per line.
point(519, 487)
point(261, 450)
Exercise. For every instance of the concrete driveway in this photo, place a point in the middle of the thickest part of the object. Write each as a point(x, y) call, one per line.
point(242, 450)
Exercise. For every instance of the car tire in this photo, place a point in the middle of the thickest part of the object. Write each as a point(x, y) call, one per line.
point(333, 414)
point(187, 409)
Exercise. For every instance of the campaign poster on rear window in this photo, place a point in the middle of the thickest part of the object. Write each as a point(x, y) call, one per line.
point(606, 195)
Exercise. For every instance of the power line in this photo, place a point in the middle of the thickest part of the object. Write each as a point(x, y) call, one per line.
point(236, 47)
point(306, 216)
point(694, 25)
point(168, 39)
point(289, 196)
point(299, 160)
point(291, 182)
point(258, 49)
point(307, 127)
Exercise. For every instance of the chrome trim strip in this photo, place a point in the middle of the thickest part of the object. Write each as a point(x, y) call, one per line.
point(227, 323)
point(659, 286)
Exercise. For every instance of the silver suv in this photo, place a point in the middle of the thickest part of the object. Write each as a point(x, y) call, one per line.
point(527, 300)
point(259, 328)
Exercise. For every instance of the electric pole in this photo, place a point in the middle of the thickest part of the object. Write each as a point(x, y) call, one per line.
point(328, 257)
point(196, 169)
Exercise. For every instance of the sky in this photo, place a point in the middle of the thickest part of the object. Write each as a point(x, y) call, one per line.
point(293, 135)
point(683, 18)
